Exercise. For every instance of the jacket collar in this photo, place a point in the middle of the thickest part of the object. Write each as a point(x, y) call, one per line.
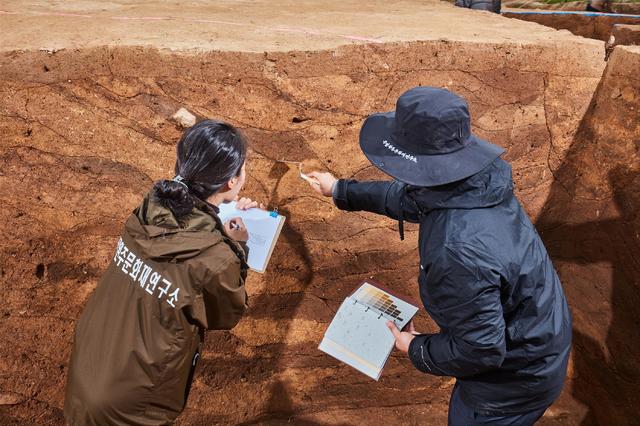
point(160, 236)
point(487, 188)
point(159, 220)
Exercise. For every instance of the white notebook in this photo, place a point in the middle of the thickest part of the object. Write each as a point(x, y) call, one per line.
point(358, 334)
point(264, 229)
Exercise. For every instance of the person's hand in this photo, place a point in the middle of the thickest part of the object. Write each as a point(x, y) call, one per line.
point(247, 203)
point(235, 229)
point(404, 337)
point(324, 183)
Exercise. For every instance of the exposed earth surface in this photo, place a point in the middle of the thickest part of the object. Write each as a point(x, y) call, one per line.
point(87, 92)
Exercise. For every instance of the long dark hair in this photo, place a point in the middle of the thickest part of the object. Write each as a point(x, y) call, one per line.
point(209, 154)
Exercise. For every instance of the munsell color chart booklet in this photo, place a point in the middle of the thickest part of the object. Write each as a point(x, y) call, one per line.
point(358, 334)
point(264, 229)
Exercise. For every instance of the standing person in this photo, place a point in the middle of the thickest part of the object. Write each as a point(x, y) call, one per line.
point(177, 271)
point(485, 276)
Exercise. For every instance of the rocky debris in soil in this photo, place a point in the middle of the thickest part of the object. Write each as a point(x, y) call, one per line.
point(10, 398)
point(184, 118)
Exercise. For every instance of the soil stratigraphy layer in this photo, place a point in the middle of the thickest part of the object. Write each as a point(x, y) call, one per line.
point(626, 35)
point(86, 132)
point(590, 224)
point(591, 25)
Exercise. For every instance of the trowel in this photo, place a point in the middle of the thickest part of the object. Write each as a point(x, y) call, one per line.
point(308, 178)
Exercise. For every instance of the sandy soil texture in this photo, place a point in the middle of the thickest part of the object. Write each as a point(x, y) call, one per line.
point(87, 92)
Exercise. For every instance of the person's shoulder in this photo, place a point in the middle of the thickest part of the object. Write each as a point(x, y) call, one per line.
point(218, 259)
point(219, 253)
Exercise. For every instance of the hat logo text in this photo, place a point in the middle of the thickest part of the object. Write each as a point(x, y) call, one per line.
point(396, 151)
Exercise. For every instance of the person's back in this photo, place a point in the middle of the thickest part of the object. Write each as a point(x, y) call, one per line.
point(485, 277)
point(499, 239)
point(177, 271)
point(136, 343)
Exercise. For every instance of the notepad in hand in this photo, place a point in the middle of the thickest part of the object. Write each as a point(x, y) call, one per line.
point(358, 334)
point(264, 229)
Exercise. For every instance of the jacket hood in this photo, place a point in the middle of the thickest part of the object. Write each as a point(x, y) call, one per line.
point(162, 237)
point(487, 188)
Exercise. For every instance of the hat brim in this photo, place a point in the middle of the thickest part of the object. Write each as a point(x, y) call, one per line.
point(426, 170)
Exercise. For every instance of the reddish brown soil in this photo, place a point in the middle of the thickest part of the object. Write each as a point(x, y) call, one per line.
point(590, 223)
point(585, 25)
point(626, 35)
point(85, 132)
point(631, 8)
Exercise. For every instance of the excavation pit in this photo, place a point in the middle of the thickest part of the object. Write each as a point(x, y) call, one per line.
point(585, 24)
point(86, 128)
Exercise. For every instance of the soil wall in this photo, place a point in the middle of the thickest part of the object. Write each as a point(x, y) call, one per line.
point(591, 25)
point(631, 8)
point(590, 224)
point(85, 132)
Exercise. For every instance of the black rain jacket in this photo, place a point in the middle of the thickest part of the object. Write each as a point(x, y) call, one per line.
point(487, 281)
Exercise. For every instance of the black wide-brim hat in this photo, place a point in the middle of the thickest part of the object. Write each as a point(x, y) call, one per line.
point(427, 140)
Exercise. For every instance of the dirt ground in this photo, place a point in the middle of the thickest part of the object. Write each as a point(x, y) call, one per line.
point(87, 92)
point(247, 26)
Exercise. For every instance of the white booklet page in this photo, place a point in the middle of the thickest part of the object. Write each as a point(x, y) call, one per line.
point(358, 334)
point(264, 228)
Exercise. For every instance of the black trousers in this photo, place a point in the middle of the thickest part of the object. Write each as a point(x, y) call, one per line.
point(463, 415)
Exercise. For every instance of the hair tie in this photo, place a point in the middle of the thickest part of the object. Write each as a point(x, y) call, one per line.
point(180, 180)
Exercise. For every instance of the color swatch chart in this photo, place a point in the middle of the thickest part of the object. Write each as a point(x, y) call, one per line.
point(383, 303)
point(358, 335)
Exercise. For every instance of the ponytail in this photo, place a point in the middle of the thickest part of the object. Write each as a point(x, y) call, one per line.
point(174, 196)
point(209, 154)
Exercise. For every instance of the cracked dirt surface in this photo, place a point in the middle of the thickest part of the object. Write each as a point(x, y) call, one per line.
point(85, 132)
point(248, 26)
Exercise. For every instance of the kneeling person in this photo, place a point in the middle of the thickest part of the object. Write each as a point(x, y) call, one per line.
point(177, 271)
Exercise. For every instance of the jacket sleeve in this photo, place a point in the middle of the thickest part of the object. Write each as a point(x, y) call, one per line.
point(464, 299)
point(382, 197)
point(224, 295)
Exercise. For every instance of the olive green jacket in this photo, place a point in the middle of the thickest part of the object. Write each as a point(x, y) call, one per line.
point(136, 342)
